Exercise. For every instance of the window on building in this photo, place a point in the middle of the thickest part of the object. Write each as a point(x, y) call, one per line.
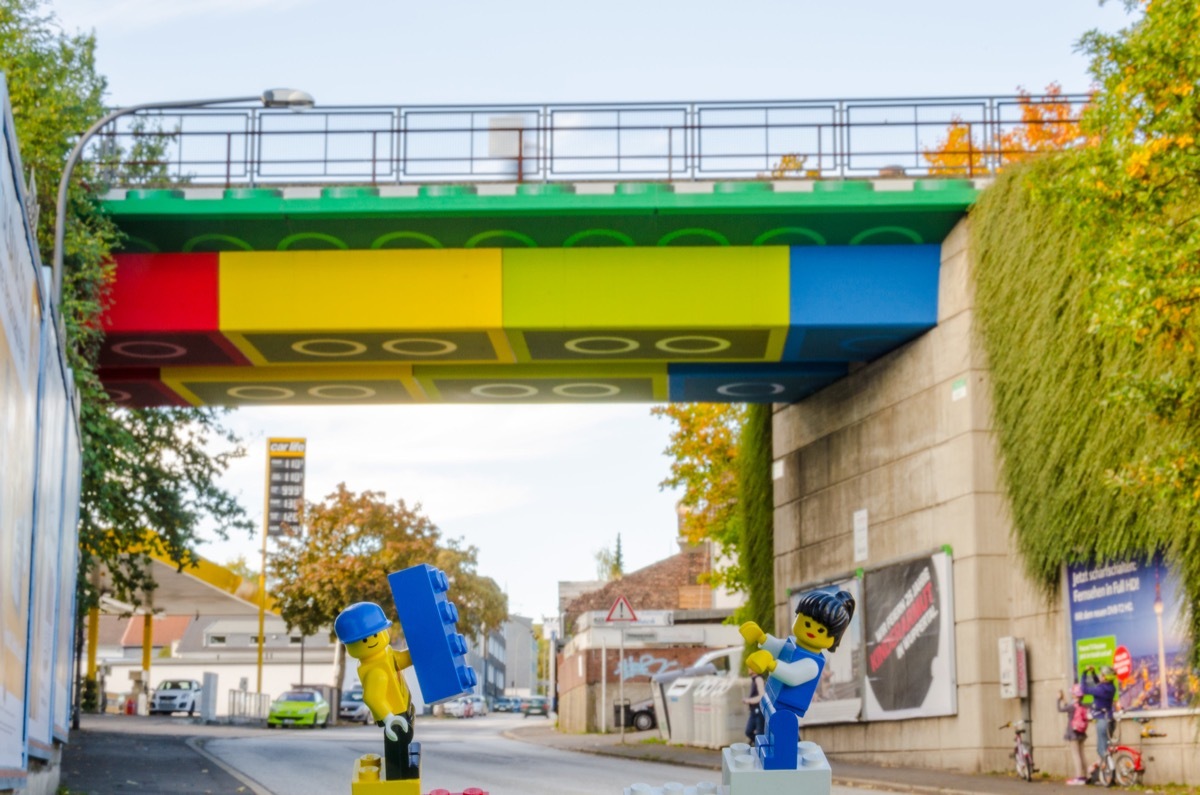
point(295, 640)
point(215, 640)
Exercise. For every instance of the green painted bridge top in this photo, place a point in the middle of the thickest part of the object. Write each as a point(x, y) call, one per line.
point(542, 215)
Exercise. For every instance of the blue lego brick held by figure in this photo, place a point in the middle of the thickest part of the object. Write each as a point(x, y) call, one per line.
point(428, 620)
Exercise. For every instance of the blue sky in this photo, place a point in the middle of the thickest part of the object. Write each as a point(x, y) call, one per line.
point(538, 489)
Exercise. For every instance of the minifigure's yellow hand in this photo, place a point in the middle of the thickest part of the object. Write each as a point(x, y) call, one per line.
point(761, 662)
point(752, 633)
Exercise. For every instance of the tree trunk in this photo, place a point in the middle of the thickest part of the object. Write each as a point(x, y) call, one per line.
point(339, 676)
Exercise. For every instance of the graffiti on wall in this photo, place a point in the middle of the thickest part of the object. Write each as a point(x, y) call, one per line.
point(645, 665)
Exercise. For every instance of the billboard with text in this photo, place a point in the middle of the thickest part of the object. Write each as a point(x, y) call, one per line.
point(1127, 614)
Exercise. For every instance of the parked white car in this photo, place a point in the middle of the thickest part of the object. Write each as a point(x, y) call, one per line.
point(175, 695)
point(461, 707)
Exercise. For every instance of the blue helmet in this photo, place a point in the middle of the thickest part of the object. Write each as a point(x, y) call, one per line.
point(360, 620)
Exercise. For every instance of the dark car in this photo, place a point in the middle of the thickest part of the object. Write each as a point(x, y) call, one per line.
point(353, 709)
point(535, 705)
point(506, 704)
point(642, 716)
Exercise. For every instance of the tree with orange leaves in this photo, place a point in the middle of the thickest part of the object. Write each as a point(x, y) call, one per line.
point(1048, 123)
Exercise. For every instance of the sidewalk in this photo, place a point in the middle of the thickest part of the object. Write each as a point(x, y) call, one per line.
point(107, 755)
point(848, 774)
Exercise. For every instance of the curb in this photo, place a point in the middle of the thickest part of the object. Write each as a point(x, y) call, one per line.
point(197, 745)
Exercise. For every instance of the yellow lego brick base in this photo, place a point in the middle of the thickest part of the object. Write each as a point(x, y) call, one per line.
point(366, 781)
point(409, 786)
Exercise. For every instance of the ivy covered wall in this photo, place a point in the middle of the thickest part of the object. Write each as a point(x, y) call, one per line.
point(1067, 430)
point(756, 548)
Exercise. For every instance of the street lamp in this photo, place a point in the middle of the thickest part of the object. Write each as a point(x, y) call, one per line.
point(271, 98)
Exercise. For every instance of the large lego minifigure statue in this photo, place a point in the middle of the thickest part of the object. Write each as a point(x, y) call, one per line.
point(365, 630)
point(793, 666)
point(436, 653)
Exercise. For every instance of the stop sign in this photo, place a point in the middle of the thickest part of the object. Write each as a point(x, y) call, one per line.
point(1122, 663)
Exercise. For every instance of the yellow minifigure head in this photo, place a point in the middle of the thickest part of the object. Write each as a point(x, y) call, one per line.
point(363, 628)
point(368, 646)
point(808, 632)
point(821, 618)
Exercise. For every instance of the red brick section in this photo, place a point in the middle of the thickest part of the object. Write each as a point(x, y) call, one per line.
point(666, 585)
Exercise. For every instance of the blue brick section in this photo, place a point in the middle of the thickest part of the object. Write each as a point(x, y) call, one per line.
point(428, 620)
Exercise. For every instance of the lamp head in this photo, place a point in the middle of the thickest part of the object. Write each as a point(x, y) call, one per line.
point(287, 98)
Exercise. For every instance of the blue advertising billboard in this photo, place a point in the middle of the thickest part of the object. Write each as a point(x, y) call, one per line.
point(1127, 615)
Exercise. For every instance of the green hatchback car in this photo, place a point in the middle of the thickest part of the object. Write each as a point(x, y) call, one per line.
point(299, 708)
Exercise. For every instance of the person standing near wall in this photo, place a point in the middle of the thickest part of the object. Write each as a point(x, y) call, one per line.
point(754, 723)
point(1076, 732)
point(1103, 692)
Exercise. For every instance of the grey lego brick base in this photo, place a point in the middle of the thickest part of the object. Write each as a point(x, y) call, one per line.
point(742, 773)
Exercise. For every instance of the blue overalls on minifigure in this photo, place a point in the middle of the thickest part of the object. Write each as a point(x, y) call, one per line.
point(364, 629)
point(793, 668)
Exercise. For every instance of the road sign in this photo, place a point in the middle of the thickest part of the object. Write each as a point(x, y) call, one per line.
point(621, 611)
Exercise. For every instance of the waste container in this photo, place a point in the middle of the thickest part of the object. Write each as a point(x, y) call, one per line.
point(702, 711)
point(660, 683)
point(728, 713)
point(679, 709)
point(622, 714)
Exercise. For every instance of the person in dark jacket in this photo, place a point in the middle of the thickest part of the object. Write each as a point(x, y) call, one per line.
point(1103, 691)
point(754, 723)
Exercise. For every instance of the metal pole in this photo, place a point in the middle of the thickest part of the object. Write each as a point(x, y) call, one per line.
point(262, 572)
point(621, 683)
point(60, 210)
point(604, 685)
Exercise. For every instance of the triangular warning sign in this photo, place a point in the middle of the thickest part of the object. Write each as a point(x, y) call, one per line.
point(621, 611)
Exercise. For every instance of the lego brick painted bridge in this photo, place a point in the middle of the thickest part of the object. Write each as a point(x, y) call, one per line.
point(735, 252)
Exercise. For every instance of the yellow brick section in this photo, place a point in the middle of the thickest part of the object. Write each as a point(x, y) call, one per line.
point(301, 291)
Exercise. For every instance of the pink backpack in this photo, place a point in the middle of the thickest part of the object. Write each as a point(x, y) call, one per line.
point(1079, 719)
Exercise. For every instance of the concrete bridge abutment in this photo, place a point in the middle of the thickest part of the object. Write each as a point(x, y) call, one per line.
point(909, 440)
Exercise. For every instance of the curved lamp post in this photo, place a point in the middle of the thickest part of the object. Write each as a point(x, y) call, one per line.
point(272, 98)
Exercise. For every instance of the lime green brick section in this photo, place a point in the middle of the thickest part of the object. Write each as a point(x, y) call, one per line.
point(646, 288)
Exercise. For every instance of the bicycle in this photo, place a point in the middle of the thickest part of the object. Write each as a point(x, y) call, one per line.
point(1022, 753)
point(1122, 764)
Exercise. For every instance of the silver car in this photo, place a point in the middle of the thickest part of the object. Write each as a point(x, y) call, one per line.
point(353, 709)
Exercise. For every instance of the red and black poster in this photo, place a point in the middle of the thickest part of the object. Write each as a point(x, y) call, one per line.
point(909, 640)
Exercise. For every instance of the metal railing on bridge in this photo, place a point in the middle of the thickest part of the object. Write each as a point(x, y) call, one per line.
point(377, 145)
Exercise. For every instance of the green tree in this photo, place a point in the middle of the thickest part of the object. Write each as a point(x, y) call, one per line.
point(144, 471)
point(352, 542)
point(610, 563)
point(704, 450)
point(242, 568)
point(1137, 187)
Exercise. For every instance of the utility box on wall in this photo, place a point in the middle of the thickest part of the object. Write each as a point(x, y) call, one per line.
point(1014, 670)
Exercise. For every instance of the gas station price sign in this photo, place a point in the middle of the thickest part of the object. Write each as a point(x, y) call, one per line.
point(285, 485)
